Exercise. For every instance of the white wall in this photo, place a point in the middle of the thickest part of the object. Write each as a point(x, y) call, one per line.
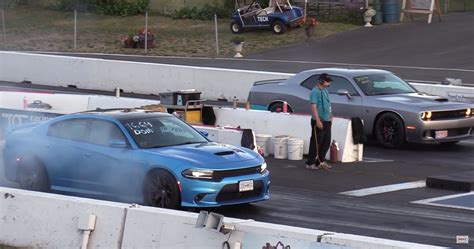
point(41, 220)
point(70, 103)
point(294, 125)
point(135, 77)
point(150, 78)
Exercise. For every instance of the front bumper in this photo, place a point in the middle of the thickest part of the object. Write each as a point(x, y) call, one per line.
point(199, 193)
point(457, 130)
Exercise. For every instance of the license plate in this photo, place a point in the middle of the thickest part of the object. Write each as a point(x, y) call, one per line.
point(246, 185)
point(441, 134)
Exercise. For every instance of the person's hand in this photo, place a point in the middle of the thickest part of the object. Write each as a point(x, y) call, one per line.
point(319, 124)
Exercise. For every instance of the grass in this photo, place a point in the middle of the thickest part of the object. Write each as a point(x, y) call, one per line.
point(31, 29)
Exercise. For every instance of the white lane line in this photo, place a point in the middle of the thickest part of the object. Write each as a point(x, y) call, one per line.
point(431, 200)
point(385, 188)
point(375, 160)
point(266, 60)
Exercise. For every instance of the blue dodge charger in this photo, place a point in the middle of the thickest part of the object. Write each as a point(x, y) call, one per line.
point(134, 156)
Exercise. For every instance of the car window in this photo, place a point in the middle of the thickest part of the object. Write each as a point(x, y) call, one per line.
point(310, 82)
point(102, 132)
point(382, 84)
point(162, 131)
point(339, 83)
point(75, 129)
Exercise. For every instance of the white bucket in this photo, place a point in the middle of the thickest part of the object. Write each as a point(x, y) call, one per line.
point(295, 149)
point(280, 146)
point(263, 141)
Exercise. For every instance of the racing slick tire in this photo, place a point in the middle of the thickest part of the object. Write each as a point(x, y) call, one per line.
point(279, 27)
point(236, 28)
point(278, 107)
point(32, 175)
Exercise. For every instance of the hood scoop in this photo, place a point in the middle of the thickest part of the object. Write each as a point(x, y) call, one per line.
point(224, 153)
point(442, 100)
point(433, 97)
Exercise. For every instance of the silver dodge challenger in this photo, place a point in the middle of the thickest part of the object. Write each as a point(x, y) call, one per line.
point(393, 111)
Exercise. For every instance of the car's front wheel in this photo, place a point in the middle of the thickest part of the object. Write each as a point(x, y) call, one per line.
point(389, 130)
point(32, 175)
point(236, 28)
point(161, 190)
point(279, 27)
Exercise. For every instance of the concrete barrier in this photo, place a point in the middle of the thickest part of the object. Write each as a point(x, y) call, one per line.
point(54, 222)
point(149, 78)
point(294, 125)
point(267, 122)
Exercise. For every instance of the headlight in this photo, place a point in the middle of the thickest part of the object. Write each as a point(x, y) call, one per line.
point(426, 115)
point(263, 167)
point(198, 174)
point(468, 112)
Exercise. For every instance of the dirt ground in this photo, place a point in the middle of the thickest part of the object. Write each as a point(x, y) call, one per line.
point(30, 29)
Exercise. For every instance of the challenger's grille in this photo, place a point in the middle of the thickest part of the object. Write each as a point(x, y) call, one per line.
point(220, 174)
point(458, 132)
point(441, 115)
point(231, 192)
point(451, 132)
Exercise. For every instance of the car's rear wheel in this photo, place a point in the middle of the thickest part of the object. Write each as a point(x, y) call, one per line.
point(236, 28)
point(278, 107)
point(389, 130)
point(279, 27)
point(32, 175)
point(161, 190)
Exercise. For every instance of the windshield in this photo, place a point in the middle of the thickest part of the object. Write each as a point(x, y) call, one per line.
point(162, 131)
point(382, 84)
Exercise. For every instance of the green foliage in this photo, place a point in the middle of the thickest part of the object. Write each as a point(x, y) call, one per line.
point(237, 39)
point(14, 3)
point(122, 7)
point(205, 12)
point(351, 16)
point(70, 5)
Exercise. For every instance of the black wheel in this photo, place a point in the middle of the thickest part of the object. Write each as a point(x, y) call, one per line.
point(278, 107)
point(389, 130)
point(236, 28)
point(161, 190)
point(32, 175)
point(278, 27)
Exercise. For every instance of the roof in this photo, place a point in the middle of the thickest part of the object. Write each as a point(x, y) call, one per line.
point(351, 72)
point(126, 114)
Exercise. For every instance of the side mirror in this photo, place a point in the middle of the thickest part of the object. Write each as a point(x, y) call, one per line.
point(344, 92)
point(117, 143)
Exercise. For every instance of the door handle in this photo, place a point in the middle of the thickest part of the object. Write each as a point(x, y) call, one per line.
point(87, 154)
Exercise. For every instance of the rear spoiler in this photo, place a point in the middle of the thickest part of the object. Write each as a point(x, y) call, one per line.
point(265, 82)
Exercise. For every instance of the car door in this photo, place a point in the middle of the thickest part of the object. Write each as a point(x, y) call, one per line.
point(342, 105)
point(111, 169)
point(62, 153)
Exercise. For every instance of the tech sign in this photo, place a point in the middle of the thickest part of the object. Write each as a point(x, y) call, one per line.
point(10, 118)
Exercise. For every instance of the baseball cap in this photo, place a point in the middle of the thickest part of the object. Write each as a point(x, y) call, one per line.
point(325, 77)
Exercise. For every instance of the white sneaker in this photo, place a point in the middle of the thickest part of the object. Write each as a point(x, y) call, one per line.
point(312, 167)
point(325, 165)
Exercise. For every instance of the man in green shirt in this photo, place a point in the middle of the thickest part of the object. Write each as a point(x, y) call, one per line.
point(321, 122)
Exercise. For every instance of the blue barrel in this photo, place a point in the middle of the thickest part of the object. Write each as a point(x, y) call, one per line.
point(391, 11)
point(377, 19)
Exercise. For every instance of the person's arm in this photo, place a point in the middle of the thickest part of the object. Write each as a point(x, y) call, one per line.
point(314, 111)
